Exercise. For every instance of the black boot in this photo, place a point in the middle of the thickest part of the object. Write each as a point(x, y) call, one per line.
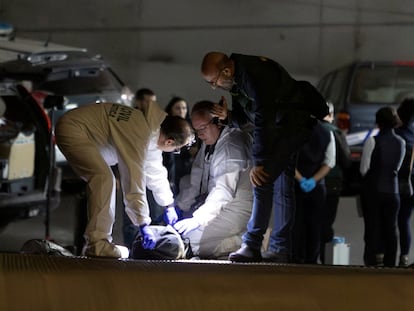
point(246, 254)
point(269, 256)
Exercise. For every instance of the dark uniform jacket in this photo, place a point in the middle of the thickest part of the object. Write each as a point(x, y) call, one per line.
point(334, 178)
point(386, 160)
point(312, 154)
point(405, 175)
point(282, 110)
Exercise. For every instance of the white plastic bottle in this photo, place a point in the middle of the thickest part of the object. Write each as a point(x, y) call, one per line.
point(341, 251)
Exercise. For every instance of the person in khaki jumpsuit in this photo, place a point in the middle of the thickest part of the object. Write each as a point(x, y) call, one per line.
point(95, 137)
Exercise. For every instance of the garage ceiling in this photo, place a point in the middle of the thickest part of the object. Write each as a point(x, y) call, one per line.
point(154, 42)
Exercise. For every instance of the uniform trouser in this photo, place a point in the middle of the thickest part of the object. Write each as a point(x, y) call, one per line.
point(404, 226)
point(368, 211)
point(307, 228)
point(380, 212)
point(387, 205)
point(86, 160)
point(328, 219)
point(223, 234)
point(279, 195)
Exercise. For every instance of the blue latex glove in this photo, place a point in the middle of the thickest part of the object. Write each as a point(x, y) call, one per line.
point(309, 185)
point(170, 215)
point(186, 225)
point(148, 238)
point(302, 184)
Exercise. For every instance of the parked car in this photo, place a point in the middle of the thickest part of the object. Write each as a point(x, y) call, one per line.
point(12, 47)
point(29, 179)
point(357, 91)
point(67, 73)
point(72, 73)
point(79, 78)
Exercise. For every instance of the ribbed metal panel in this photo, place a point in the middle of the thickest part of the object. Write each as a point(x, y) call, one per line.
point(34, 282)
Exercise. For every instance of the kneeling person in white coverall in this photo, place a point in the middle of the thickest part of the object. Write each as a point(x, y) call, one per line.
point(95, 137)
point(220, 174)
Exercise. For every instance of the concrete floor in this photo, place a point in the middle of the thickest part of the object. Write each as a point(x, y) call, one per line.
point(62, 224)
point(348, 224)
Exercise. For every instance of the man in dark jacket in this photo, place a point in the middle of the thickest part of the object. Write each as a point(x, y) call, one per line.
point(281, 112)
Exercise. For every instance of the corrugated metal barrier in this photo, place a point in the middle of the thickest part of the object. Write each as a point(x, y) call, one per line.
point(36, 282)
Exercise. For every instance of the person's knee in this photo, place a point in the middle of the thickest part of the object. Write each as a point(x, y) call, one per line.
point(217, 248)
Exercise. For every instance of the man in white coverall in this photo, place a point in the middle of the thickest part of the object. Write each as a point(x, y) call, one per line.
point(95, 137)
point(220, 174)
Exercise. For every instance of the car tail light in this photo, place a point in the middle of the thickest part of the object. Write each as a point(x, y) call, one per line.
point(404, 63)
point(39, 97)
point(343, 121)
point(356, 155)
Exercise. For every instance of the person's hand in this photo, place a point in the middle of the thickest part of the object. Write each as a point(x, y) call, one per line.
point(220, 110)
point(258, 176)
point(310, 184)
point(307, 185)
point(170, 215)
point(186, 225)
point(148, 238)
point(302, 184)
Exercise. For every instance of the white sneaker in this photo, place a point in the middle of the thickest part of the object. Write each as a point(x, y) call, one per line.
point(403, 261)
point(101, 248)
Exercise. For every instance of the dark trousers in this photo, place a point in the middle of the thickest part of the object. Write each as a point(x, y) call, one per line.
point(328, 218)
point(368, 212)
point(389, 204)
point(380, 218)
point(308, 222)
point(404, 217)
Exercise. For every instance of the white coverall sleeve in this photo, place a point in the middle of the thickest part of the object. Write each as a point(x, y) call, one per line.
point(229, 160)
point(330, 153)
point(190, 187)
point(365, 164)
point(156, 174)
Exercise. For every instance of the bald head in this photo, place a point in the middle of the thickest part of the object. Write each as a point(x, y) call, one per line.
point(213, 62)
point(203, 108)
point(217, 70)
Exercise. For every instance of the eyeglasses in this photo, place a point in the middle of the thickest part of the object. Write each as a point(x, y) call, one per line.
point(213, 83)
point(204, 127)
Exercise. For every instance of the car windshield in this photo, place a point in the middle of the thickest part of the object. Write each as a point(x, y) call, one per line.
point(80, 81)
point(382, 84)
